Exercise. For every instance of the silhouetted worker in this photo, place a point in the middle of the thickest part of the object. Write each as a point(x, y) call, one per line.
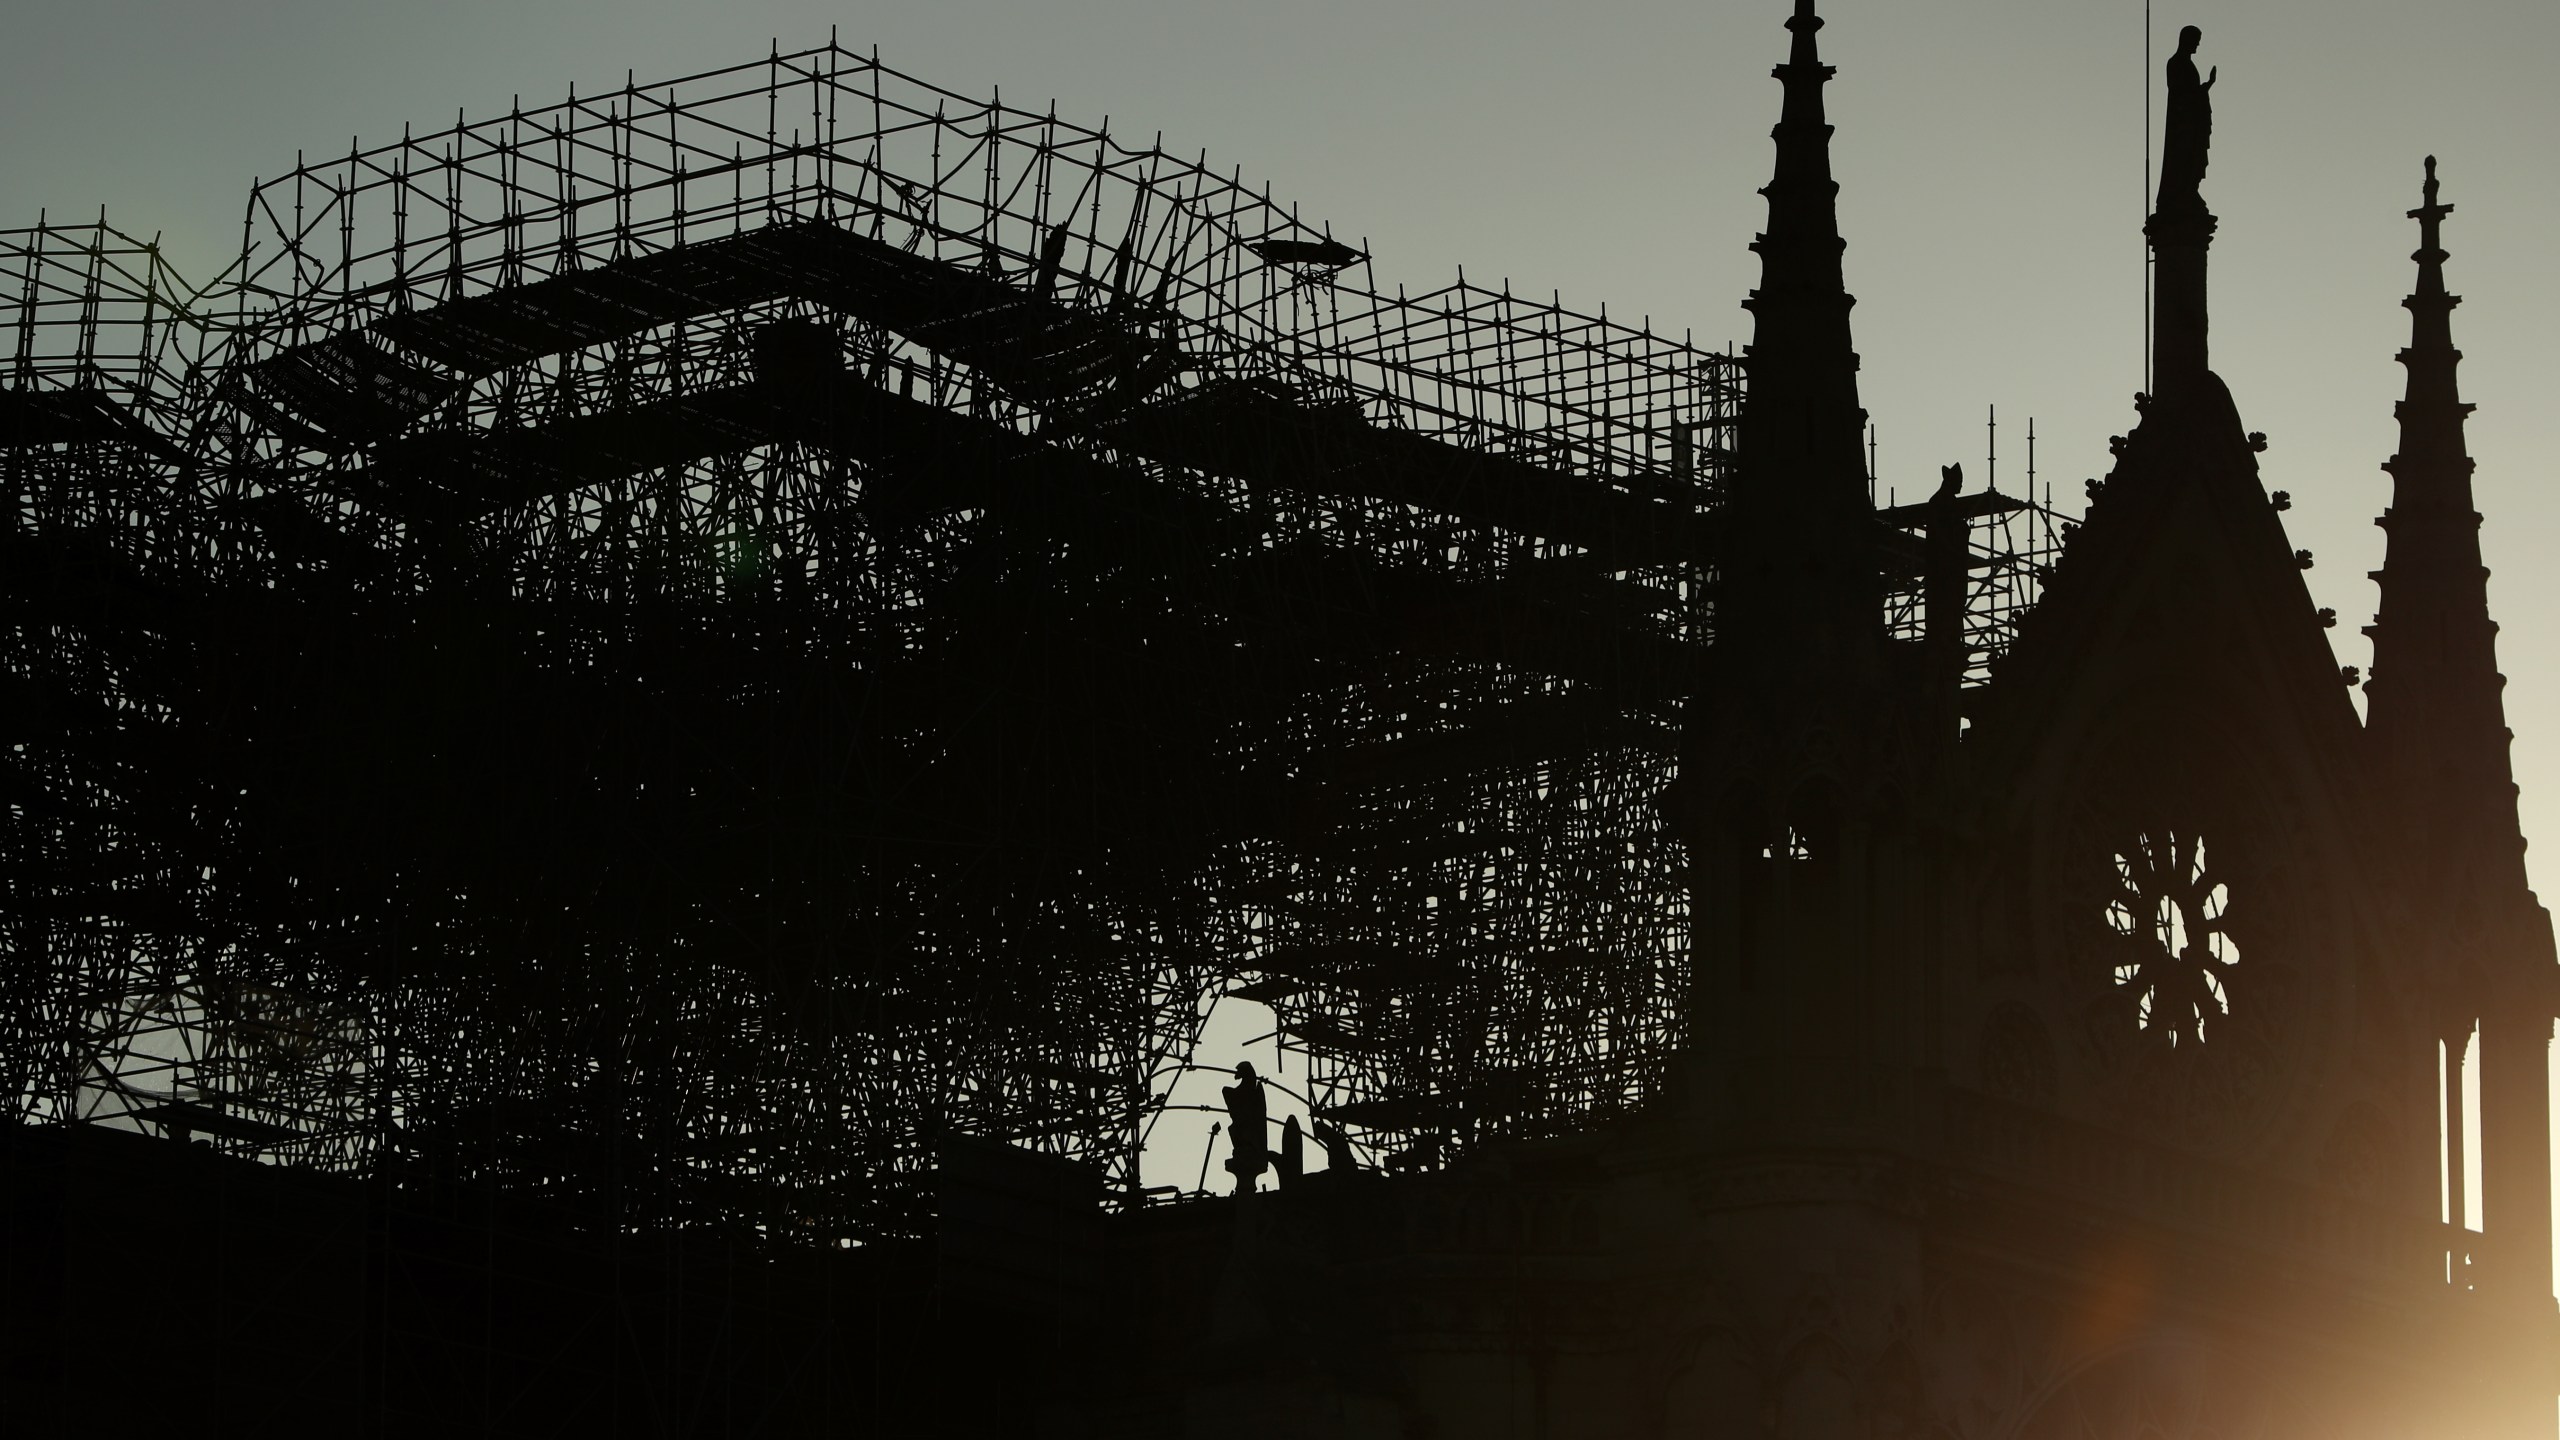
point(1247, 1128)
point(2188, 135)
point(1293, 1152)
point(1337, 1148)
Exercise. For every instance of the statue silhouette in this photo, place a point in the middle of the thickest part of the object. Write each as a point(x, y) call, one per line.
point(1247, 1135)
point(2187, 136)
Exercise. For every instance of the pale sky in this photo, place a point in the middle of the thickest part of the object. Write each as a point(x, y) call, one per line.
point(1990, 153)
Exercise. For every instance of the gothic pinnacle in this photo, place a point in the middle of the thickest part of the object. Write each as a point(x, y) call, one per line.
point(2436, 710)
point(1801, 507)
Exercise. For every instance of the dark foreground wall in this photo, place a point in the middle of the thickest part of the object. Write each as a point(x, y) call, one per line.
point(144, 1279)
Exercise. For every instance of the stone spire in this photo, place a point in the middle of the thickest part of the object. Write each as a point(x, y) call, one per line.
point(1800, 570)
point(2438, 725)
point(2436, 713)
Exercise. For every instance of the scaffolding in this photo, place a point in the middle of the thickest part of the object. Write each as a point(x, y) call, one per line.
point(674, 652)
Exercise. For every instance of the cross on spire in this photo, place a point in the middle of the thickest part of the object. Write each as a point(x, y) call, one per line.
point(2430, 253)
point(2429, 214)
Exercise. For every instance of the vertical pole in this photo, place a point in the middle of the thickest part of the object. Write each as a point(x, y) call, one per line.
point(2452, 1054)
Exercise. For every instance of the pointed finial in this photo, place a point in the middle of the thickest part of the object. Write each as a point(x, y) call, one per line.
point(1804, 51)
point(2429, 212)
point(2430, 253)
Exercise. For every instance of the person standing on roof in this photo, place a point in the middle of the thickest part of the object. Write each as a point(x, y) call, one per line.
point(1248, 1121)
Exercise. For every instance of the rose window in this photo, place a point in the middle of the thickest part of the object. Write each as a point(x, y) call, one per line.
point(2174, 960)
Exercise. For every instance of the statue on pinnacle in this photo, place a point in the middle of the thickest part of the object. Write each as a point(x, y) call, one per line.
point(2188, 134)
